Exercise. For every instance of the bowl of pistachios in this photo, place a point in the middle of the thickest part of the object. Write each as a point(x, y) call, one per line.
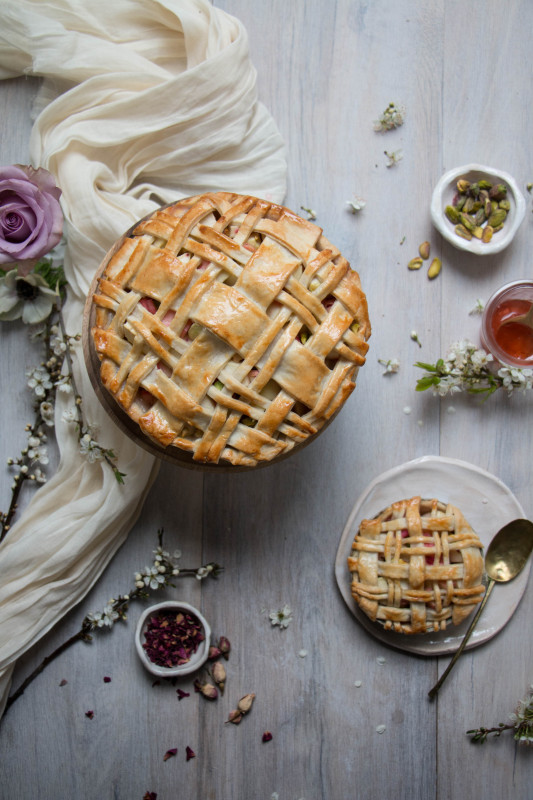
point(477, 208)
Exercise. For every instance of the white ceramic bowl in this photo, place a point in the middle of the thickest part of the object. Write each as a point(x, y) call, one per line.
point(196, 660)
point(443, 195)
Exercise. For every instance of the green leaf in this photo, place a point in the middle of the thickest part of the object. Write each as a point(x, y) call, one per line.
point(427, 367)
point(119, 475)
point(427, 382)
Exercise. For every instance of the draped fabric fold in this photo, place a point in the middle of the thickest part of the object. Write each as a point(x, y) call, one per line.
point(143, 102)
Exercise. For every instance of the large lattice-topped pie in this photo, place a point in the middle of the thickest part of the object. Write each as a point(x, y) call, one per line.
point(229, 327)
point(417, 566)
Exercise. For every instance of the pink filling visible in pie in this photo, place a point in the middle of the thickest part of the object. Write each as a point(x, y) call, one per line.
point(168, 317)
point(148, 304)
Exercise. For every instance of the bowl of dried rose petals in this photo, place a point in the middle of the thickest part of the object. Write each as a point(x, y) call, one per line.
point(172, 639)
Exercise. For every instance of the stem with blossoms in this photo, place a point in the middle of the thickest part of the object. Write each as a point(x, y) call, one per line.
point(468, 368)
point(159, 576)
point(522, 724)
point(54, 374)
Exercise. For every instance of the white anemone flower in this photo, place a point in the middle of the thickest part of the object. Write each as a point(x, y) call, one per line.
point(28, 297)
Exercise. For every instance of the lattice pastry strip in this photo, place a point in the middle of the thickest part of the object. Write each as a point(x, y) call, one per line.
point(417, 566)
point(229, 327)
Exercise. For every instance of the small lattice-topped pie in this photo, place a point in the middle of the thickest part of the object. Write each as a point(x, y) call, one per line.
point(417, 566)
point(229, 327)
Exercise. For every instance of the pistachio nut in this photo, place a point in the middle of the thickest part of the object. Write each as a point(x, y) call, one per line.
point(463, 186)
point(487, 234)
point(415, 263)
point(469, 205)
point(424, 250)
point(498, 192)
point(434, 268)
point(484, 184)
point(462, 231)
point(452, 213)
point(497, 217)
point(505, 204)
point(478, 232)
point(467, 221)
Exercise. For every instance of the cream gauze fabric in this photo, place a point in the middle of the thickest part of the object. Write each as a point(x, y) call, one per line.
point(143, 102)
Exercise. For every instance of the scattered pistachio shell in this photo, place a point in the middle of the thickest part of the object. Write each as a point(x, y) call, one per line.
point(434, 268)
point(358, 684)
point(415, 263)
point(381, 729)
point(424, 250)
point(302, 653)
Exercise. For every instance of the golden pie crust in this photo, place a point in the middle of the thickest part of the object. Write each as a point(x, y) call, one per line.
point(229, 327)
point(417, 566)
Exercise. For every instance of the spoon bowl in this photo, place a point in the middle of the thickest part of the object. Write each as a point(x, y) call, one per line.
point(506, 556)
point(521, 319)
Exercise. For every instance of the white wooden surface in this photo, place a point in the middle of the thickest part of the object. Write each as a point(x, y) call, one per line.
point(326, 71)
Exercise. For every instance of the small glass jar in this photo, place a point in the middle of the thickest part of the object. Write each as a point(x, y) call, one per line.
point(510, 344)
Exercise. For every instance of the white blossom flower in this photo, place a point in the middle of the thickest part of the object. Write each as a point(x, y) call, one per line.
point(357, 204)
point(201, 573)
point(392, 117)
point(47, 413)
point(70, 415)
point(152, 578)
point(64, 385)
point(38, 455)
point(39, 475)
point(391, 366)
point(27, 296)
point(282, 617)
point(57, 342)
point(393, 157)
point(39, 381)
point(104, 618)
point(478, 308)
point(90, 449)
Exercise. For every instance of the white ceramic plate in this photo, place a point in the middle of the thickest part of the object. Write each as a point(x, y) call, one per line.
point(486, 503)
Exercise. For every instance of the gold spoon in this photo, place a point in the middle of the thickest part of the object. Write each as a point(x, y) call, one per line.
point(521, 319)
point(506, 556)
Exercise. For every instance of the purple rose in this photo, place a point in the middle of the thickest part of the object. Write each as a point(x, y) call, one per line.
point(31, 221)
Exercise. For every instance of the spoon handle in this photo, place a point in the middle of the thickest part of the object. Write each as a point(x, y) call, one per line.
point(466, 637)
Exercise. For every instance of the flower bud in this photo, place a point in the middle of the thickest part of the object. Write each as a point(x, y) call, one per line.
point(234, 717)
point(224, 646)
point(214, 652)
point(219, 675)
point(245, 703)
point(206, 688)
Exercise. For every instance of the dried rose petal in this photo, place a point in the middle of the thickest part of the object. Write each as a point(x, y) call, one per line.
point(107, 679)
point(63, 682)
point(150, 796)
point(170, 753)
point(181, 694)
point(267, 736)
point(190, 753)
point(89, 714)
